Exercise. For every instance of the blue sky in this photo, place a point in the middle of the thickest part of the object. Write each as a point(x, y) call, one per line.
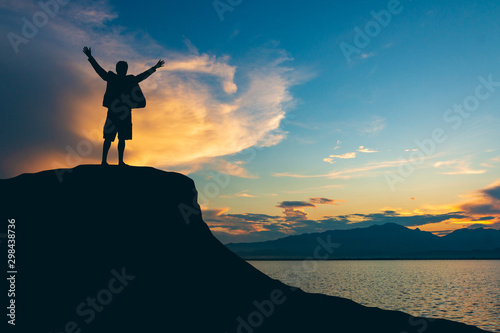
point(269, 91)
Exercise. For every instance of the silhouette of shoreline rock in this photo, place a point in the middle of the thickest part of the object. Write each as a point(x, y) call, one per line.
point(111, 249)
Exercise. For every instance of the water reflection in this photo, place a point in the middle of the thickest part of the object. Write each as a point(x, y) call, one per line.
point(463, 290)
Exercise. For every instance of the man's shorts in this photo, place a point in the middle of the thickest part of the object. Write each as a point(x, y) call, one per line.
point(118, 122)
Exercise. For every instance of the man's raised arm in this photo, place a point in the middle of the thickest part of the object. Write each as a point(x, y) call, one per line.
point(99, 70)
point(146, 74)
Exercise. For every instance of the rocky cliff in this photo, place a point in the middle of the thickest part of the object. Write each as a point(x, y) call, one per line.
point(109, 249)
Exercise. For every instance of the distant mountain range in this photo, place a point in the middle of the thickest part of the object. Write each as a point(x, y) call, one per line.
point(388, 241)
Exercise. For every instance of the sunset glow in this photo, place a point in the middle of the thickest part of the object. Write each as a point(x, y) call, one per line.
point(282, 129)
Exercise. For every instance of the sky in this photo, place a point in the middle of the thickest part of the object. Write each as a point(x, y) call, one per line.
point(291, 117)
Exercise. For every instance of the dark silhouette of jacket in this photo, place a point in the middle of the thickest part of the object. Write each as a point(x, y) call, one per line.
point(122, 90)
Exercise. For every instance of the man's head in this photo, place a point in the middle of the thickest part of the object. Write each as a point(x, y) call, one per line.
point(121, 68)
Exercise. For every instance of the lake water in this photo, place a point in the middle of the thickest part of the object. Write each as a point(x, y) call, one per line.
point(467, 291)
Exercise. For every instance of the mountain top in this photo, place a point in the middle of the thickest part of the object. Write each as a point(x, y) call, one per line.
point(387, 241)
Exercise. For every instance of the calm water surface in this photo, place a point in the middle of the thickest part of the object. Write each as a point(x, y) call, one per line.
point(462, 290)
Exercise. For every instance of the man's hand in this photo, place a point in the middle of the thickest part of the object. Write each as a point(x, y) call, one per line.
point(159, 64)
point(87, 51)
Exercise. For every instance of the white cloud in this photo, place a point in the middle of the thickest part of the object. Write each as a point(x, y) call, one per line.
point(363, 149)
point(456, 167)
point(346, 156)
point(208, 65)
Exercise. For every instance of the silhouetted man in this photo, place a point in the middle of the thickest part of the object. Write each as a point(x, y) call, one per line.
point(122, 95)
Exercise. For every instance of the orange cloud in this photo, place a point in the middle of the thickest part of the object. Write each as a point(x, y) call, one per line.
point(484, 206)
point(196, 112)
point(186, 122)
point(457, 168)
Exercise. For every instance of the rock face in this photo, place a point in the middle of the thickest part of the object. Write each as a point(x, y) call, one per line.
point(109, 249)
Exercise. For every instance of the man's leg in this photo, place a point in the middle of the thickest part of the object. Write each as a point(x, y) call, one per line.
point(121, 150)
point(124, 133)
point(105, 149)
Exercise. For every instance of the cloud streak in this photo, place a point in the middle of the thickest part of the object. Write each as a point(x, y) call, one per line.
point(456, 167)
point(363, 149)
point(346, 156)
point(363, 171)
point(295, 204)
